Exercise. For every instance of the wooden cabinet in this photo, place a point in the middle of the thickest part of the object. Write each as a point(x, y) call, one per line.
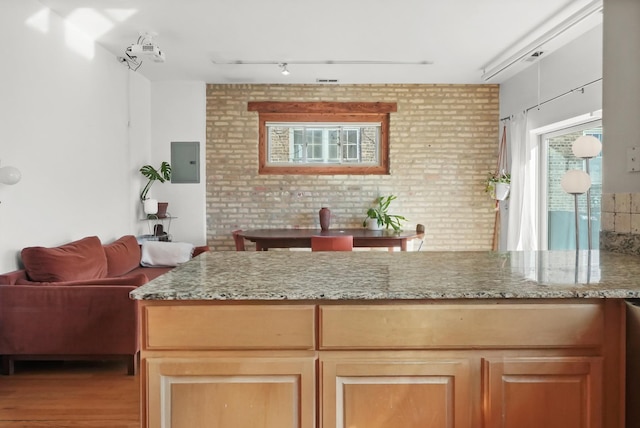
point(432, 364)
point(409, 390)
point(561, 392)
point(228, 366)
point(240, 391)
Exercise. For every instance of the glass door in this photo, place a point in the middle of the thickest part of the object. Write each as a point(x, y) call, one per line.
point(558, 226)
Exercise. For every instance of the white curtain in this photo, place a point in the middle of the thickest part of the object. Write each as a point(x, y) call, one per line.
point(522, 230)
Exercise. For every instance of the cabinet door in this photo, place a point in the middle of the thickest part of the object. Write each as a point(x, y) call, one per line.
point(562, 392)
point(241, 392)
point(389, 393)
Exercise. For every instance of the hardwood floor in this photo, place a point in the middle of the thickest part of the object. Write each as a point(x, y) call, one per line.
point(69, 395)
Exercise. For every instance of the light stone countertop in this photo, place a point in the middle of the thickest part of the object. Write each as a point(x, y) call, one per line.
point(376, 275)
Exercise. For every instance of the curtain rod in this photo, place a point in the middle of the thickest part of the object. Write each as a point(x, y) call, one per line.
point(579, 88)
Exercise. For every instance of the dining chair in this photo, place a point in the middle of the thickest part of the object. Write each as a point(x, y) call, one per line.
point(332, 243)
point(420, 233)
point(239, 240)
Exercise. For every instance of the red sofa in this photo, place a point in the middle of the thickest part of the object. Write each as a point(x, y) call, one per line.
point(72, 302)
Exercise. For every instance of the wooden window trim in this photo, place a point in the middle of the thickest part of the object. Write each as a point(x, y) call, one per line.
point(269, 111)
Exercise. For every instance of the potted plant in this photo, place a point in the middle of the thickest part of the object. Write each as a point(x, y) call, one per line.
point(378, 217)
point(498, 185)
point(162, 174)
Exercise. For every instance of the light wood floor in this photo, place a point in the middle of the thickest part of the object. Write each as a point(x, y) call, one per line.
point(69, 394)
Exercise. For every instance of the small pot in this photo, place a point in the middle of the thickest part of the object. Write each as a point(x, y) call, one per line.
point(162, 209)
point(372, 224)
point(150, 206)
point(502, 191)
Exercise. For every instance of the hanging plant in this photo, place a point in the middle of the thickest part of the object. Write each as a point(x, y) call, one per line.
point(498, 185)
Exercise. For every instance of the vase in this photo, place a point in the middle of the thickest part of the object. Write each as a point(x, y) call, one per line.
point(162, 209)
point(325, 218)
point(150, 206)
point(372, 224)
point(502, 191)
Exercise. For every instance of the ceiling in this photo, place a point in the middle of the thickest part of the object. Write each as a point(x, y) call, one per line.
point(351, 41)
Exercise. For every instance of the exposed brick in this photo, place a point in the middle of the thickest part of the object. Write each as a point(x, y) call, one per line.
point(443, 141)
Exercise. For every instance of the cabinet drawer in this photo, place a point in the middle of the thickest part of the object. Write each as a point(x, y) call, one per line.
point(461, 325)
point(199, 327)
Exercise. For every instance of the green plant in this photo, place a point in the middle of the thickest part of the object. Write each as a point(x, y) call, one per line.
point(162, 174)
point(495, 177)
point(381, 213)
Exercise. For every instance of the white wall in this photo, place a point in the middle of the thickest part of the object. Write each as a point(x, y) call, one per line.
point(570, 67)
point(621, 115)
point(64, 114)
point(178, 113)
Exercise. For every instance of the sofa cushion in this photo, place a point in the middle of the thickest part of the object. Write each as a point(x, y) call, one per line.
point(78, 260)
point(136, 280)
point(123, 256)
point(159, 253)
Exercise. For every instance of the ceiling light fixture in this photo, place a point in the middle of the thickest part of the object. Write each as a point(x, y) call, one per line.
point(284, 71)
point(325, 62)
point(144, 47)
point(494, 68)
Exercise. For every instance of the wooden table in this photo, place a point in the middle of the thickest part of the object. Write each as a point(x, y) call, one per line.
point(301, 238)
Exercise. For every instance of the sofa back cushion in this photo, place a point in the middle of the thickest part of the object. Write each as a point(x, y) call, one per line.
point(77, 260)
point(123, 256)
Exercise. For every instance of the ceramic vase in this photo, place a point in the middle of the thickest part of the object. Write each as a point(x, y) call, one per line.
point(150, 206)
point(372, 224)
point(162, 209)
point(502, 191)
point(325, 218)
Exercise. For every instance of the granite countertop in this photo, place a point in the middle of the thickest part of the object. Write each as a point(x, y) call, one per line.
point(374, 275)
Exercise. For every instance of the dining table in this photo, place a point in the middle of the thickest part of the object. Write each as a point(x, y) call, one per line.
point(301, 238)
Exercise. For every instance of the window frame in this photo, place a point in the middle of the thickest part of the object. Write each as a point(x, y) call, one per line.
point(323, 112)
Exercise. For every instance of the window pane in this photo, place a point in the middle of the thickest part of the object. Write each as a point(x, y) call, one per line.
point(561, 205)
point(298, 145)
point(323, 144)
point(278, 144)
point(333, 151)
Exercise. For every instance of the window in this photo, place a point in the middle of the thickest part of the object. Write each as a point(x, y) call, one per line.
point(323, 137)
point(317, 144)
point(558, 207)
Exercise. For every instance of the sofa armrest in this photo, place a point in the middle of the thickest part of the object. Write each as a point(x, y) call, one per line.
point(200, 249)
point(68, 320)
point(12, 277)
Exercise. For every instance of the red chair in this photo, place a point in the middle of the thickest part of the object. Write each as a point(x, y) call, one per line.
point(332, 243)
point(239, 240)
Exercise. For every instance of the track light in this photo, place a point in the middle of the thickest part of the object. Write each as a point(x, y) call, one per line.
point(284, 71)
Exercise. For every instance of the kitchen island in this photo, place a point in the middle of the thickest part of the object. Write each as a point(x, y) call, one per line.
point(377, 339)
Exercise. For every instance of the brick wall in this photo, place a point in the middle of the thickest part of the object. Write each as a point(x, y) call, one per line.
point(443, 142)
point(621, 223)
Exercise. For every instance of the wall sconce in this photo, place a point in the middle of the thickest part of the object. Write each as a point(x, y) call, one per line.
point(576, 182)
point(9, 175)
point(587, 147)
